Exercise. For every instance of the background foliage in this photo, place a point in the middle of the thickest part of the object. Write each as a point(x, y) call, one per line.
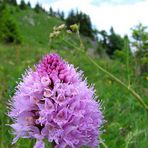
point(24, 40)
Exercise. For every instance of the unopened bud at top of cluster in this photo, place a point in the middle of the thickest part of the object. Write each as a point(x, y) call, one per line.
point(74, 27)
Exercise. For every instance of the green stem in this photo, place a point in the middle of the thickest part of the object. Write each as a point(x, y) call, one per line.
point(127, 59)
point(52, 144)
point(81, 43)
point(102, 142)
point(138, 98)
point(31, 143)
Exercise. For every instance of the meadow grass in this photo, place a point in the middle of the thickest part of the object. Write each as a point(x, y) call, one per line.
point(126, 121)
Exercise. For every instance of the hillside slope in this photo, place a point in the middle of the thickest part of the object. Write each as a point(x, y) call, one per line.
point(34, 27)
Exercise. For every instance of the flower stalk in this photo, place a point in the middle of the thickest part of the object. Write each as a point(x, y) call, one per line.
point(52, 144)
point(131, 90)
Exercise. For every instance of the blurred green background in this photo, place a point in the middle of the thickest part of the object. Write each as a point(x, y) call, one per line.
point(24, 39)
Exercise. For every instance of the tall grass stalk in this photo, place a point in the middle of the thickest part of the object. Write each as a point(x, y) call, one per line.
point(127, 59)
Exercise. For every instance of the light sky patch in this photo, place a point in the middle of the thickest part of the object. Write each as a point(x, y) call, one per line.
point(115, 2)
point(121, 14)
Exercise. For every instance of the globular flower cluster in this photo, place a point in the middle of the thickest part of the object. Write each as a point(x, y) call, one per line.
point(54, 102)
